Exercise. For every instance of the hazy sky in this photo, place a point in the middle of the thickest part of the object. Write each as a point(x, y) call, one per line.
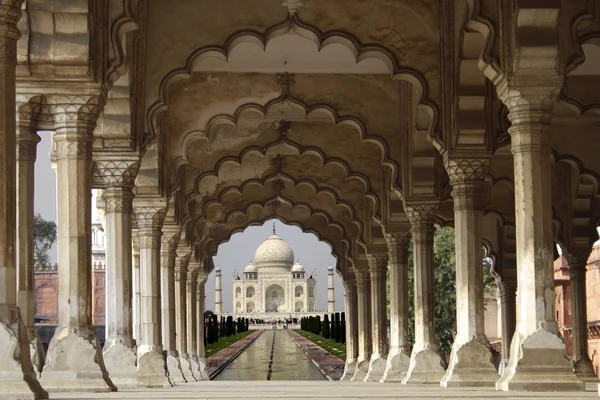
point(233, 255)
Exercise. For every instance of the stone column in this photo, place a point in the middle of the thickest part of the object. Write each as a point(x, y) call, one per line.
point(151, 363)
point(168, 247)
point(426, 366)
point(508, 310)
point(351, 329)
point(538, 358)
point(118, 179)
point(399, 356)
point(363, 290)
point(200, 299)
point(136, 299)
point(330, 291)
point(181, 264)
point(192, 322)
point(583, 366)
point(218, 292)
point(74, 360)
point(378, 262)
point(27, 140)
point(470, 359)
point(17, 377)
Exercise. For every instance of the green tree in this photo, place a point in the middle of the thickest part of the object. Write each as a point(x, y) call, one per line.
point(43, 239)
point(444, 287)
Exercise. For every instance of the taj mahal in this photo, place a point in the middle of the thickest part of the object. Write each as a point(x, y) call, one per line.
point(272, 283)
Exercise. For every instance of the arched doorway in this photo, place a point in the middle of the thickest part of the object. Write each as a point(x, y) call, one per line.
point(274, 298)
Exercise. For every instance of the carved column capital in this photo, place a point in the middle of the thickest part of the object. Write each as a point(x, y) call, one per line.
point(115, 173)
point(149, 222)
point(363, 278)
point(170, 240)
point(74, 115)
point(10, 14)
point(397, 239)
point(27, 146)
point(181, 267)
point(421, 215)
point(467, 170)
point(530, 102)
point(378, 262)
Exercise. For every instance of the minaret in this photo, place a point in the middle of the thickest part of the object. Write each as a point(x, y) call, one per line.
point(330, 289)
point(218, 292)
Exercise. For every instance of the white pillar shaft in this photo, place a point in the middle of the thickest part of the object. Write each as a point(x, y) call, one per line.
point(26, 156)
point(399, 296)
point(363, 284)
point(136, 299)
point(118, 266)
point(167, 299)
point(181, 312)
point(424, 293)
point(534, 233)
point(200, 293)
point(351, 323)
point(192, 326)
point(379, 312)
point(468, 220)
point(74, 176)
point(150, 321)
point(579, 312)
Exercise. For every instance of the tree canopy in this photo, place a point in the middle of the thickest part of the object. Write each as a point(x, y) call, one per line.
point(444, 287)
point(43, 239)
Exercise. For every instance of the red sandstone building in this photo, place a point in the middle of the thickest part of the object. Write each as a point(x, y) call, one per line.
point(563, 303)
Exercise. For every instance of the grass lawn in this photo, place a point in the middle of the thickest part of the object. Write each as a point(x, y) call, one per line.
point(337, 349)
point(224, 342)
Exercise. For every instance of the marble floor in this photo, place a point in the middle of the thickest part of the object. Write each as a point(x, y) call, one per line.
point(302, 390)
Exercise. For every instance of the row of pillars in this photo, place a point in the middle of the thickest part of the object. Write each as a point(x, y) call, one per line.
point(155, 296)
point(534, 354)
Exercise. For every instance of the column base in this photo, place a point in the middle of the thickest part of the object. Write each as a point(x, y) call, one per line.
point(38, 355)
point(121, 363)
point(17, 377)
point(349, 370)
point(193, 359)
point(361, 370)
point(396, 367)
point(186, 367)
point(376, 368)
point(151, 370)
point(75, 363)
point(470, 366)
point(174, 368)
point(425, 367)
point(199, 368)
point(584, 370)
point(202, 367)
point(538, 362)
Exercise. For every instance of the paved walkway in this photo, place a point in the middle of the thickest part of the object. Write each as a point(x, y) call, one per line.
point(299, 390)
point(273, 356)
point(217, 361)
point(329, 364)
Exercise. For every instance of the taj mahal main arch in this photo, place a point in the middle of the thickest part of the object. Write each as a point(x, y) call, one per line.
point(366, 123)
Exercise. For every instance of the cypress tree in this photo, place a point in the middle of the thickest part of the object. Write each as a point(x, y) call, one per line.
point(332, 327)
point(337, 327)
point(210, 334)
point(203, 327)
point(247, 324)
point(318, 325)
point(343, 338)
point(215, 322)
point(326, 327)
point(237, 326)
point(229, 325)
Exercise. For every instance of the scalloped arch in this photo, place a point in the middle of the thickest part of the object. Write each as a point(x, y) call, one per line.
point(292, 23)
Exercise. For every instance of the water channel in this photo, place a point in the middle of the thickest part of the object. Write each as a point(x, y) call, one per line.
point(273, 356)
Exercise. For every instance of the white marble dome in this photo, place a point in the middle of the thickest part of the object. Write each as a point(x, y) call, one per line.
point(251, 268)
point(274, 254)
point(298, 267)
